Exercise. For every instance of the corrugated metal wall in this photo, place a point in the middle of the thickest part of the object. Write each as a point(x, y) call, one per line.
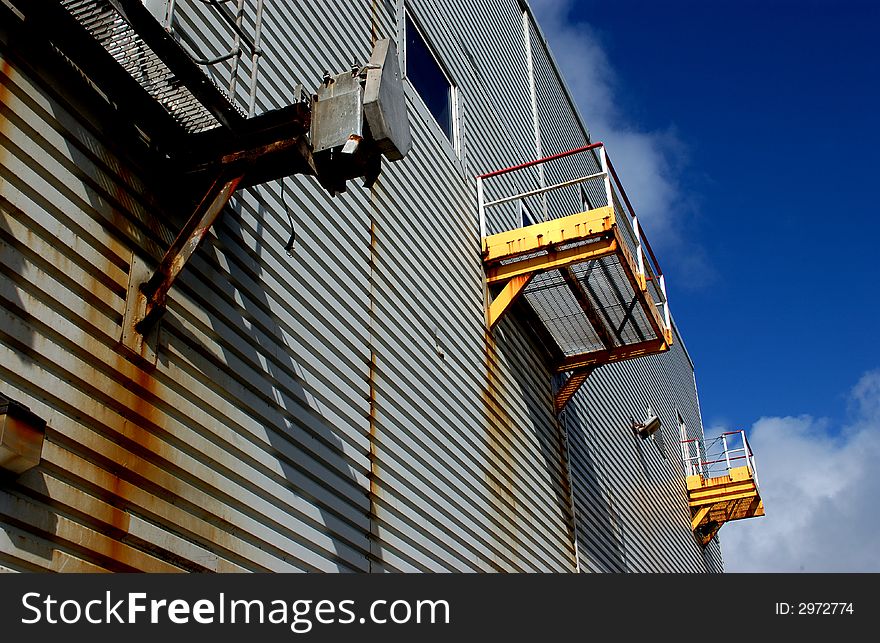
point(343, 409)
point(630, 498)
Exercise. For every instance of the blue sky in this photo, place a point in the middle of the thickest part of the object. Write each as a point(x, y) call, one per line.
point(747, 134)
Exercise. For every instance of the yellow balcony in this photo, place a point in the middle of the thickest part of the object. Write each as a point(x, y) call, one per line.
point(591, 291)
point(722, 483)
point(715, 501)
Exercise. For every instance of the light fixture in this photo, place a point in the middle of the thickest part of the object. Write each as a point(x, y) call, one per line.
point(647, 428)
point(21, 437)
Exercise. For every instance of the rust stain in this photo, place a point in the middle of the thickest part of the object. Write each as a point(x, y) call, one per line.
point(567, 490)
point(375, 548)
point(374, 22)
point(139, 413)
point(499, 475)
point(7, 71)
point(137, 389)
point(132, 388)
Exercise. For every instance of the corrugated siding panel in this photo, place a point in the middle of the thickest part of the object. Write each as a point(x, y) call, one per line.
point(630, 497)
point(343, 409)
point(629, 494)
point(249, 425)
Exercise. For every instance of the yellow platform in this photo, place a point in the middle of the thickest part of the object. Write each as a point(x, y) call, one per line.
point(591, 299)
point(714, 501)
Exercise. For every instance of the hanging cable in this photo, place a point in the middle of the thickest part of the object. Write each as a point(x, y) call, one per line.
point(288, 247)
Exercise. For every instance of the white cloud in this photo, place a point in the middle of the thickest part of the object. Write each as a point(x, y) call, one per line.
point(648, 162)
point(820, 489)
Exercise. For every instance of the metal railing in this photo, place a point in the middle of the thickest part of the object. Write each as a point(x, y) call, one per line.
point(647, 264)
point(715, 457)
point(241, 40)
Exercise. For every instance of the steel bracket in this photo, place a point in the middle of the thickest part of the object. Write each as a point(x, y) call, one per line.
point(570, 387)
point(152, 294)
point(143, 345)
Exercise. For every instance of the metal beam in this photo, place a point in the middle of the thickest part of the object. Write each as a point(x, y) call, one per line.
point(185, 245)
point(617, 354)
point(552, 260)
point(570, 387)
point(640, 288)
point(585, 281)
point(586, 305)
point(547, 234)
point(505, 298)
point(701, 513)
point(706, 537)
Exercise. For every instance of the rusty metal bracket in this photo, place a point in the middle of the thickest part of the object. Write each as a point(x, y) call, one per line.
point(155, 290)
point(570, 387)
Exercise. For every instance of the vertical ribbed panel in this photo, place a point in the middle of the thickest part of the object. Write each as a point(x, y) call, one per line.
point(343, 409)
point(630, 498)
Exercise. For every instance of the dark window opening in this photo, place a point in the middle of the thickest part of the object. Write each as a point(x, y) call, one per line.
point(428, 78)
point(525, 215)
point(586, 203)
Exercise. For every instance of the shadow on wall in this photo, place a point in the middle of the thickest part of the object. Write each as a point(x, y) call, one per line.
point(12, 262)
point(248, 363)
point(601, 541)
point(540, 421)
point(18, 513)
point(254, 357)
point(535, 394)
point(267, 378)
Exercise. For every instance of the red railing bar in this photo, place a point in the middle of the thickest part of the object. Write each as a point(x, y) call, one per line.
point(552, 157)
point(611, 169)
point(738, 457)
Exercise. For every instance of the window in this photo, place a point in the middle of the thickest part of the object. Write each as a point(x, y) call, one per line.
point(586, 203)
point(426, 75)
point(525, 215)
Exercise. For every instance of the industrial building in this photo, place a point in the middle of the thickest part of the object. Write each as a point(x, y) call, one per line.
point(331, 286)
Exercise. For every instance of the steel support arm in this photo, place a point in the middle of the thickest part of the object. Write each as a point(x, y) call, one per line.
point(509, 294)
point(570, 387)
point(185, 245)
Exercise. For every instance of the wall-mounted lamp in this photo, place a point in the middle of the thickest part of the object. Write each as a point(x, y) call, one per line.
point(647, 428)
point(21, 437)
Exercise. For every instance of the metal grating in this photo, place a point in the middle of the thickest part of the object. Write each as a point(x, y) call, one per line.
point(610, 293)
point(127, 48)
point(559, 312)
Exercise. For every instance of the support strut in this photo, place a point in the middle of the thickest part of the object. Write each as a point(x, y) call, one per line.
point(570, 387)
point(185, 245)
